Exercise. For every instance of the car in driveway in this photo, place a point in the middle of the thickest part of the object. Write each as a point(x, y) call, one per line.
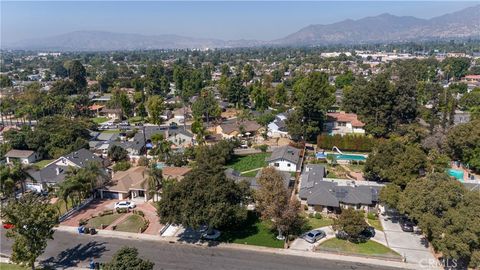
point(313, 236)
point(407, 225)
point(124, 205)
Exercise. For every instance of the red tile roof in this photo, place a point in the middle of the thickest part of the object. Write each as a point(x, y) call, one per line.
point(346, 117)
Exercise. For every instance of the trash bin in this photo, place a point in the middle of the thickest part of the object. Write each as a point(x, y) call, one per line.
point(97, 265)
point(92, 231)
point(80, 229)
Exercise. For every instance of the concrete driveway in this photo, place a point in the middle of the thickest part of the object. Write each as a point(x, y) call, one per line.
point(301, 244)
point(407, 244)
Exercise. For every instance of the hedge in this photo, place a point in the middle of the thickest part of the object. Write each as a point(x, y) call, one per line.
point(347, 142)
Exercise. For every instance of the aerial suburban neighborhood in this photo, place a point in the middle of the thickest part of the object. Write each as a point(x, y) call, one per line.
point(337, 147)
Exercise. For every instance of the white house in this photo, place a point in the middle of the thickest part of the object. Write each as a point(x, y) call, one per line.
point(285, 158)
point(277, 128)
point(23, 156)
point(343, 123)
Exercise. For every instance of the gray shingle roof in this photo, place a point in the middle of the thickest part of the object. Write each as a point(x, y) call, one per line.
point(288, 153)
point(317, 191)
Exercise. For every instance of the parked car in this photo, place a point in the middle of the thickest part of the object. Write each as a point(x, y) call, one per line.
point(8, 226)
point(124, 204)
point(407, 225)
point(314, 235)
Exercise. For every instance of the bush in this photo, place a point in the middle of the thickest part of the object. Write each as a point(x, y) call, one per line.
point(122, 210)
point(145, 225)
point(263, 148)
point(318, 216)
point(348, 142)
point(310, 215)
point(82, 222)
point(106, 212)
point(143, 161)
point(121, 166)
point(140, 213)
point(305, 207)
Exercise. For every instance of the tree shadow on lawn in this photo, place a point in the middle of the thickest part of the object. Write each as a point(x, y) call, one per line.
point(72, 256)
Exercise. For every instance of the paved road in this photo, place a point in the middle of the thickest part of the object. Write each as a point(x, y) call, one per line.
point(69, 250)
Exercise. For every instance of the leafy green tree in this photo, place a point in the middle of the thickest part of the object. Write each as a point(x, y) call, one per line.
point(120, 100)
point(127, 258)
point(117, 153)
point(395, 162)
point(5, 81)
point(78, 74)
point(34, 219)
point(390, 195)
point(248, 73)
point(343, 80)
point(294, 124)
point(236, 92)
point(463, 143)
point(59, 70)
point(206, 106)
point(455, 67)
point(314, 97)
point(154, 181)
point(351, 222)
point(155, 108)
point(205, 196)
point(277, 75)
point(260, 97)
point(272, 201)
point(121, 166)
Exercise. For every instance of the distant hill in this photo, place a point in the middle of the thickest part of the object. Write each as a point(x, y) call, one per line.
point(382, 28)
point(389, 28)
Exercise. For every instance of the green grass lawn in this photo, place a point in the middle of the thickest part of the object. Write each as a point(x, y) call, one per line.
point(315, 223)
point(356, 167)
point(251, 174)
point(254, 232)
point(43, 163)
point(99, 120)
point(250, 162)
point(109, 131)
point(375, 223)
point(96, 222)
point(368, 248)
point(132, 224)
point(8, 266)
point(135, 119)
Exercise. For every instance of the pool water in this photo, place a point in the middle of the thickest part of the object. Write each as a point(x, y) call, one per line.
point(458, 174)
point(349, 157)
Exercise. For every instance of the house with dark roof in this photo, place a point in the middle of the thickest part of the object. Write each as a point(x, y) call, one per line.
point(54, 173)
point(286, 158)
point(234, 128)
point(22, 156)
point(324, 195)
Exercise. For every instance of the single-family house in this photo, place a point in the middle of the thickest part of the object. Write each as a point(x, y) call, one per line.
point(54, 173)
point(22, 156)
point(234, 128)
point(343, 123)
point(277, 128)
point(461, 117)
point(180, 137)
point(112, 113)
point(177, 173)
point(286, 158)
point(322, 195)
point(127, 184)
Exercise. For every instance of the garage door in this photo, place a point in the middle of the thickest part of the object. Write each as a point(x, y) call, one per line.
point(110, 195)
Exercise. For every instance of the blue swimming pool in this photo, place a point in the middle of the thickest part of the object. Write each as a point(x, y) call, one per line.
point(349, 157)
point(458, 174)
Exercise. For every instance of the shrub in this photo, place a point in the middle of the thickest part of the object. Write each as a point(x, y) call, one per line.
point(310, 215)
point(114, 227)
point(122, 210)
point(371, 216)
point(82, 222)
point(121, 166)
point(143, 161)
point(348, 142)
point(145, 225)
point(318, 216)
point(140, 213)
point(263, 148)
point(305, 207)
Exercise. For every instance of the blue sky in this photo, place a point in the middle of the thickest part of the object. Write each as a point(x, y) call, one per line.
point(224, 20)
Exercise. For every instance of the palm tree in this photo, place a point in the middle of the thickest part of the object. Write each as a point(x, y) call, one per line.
point(154, 181)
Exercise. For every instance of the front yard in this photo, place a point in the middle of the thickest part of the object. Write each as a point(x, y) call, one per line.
point(315, 223)
point(254, 232)
point(133, 224)
point(106, 220)
point(248, 163)
point(368, 248)
point(99, 120)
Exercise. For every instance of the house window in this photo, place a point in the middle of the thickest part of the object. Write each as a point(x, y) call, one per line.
point(276, 164)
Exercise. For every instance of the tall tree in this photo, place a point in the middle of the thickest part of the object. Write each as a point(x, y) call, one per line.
point(236, 92)
point(33, 218)
point(127, 258)
point(206, 106)
point(78, 74)
point(352, 222)
point(155, 108)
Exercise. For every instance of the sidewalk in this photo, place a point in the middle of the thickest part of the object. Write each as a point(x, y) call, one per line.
point(300, 253)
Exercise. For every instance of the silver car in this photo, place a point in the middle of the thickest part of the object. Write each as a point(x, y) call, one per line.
point(313, 236)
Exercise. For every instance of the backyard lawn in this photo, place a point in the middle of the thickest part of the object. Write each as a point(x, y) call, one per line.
point(255, 232)
point(8, 266)
point(132, 224)
point(99, 120)
point(368, 248)
point(43, 163)
point(250, 162)
point(96, 222)
point(110, 131)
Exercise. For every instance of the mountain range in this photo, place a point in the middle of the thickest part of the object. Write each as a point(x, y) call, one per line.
point(382, 28)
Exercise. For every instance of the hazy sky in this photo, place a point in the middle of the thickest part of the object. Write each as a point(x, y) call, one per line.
point(224, 20)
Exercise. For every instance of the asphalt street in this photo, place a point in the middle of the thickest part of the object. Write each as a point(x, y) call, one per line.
point(69, 249)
